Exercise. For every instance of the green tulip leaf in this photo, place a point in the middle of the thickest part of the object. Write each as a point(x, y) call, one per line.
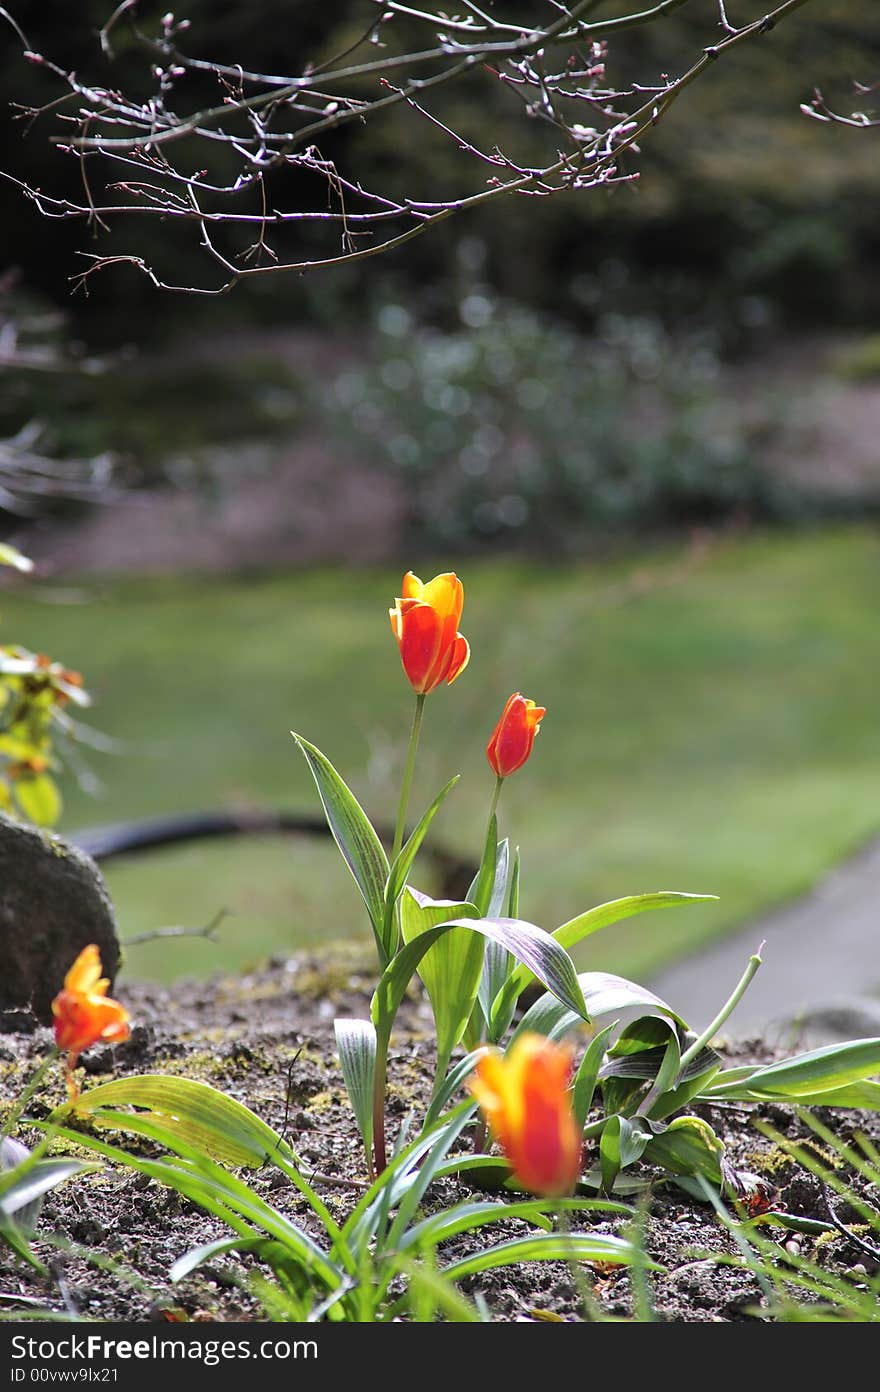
point(356, 1042)
point(587, 1247)
point(622, 1142)
point(497, 964)
point(821, 1070)
point(602, 916)
point(450, 969)
point(404, 860)
point(604, 995)
point(687, 1146)
point(480, 892)
point(549, 962)
point(455, 1078)
point(25, 1178)
point(587, 1075)
point(197, 1113)
point(356, 838)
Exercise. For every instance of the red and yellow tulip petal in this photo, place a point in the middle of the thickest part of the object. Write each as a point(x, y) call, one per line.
point(85, 974)
point(420, 634)
point(113, 1020)
point(412, 586)
point(75, 1027)
point(461, 656)
point(115, 1031)
point(445, 593)
point(549, 1154)
point(490, 1086)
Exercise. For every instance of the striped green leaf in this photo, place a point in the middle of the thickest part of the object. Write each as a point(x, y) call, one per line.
point(403, 862)
point(450, 969)
point(588, 1247)
point(356, 1042)
point(356, 838)
point(197, 1113)
point(602, 916)
point(544, 957)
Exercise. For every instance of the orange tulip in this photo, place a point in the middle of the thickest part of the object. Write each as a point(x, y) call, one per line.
point(526, 1100)
point(425, 623)
point(514, 735)
point(85, 1014)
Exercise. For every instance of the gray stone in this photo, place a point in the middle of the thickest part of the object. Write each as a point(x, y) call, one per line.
point(53, 903)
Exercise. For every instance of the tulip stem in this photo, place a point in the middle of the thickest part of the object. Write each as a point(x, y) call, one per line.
point(408, 776)
point(589, 1304)
point(379, 1152)
point(493, 805)
point(440, 1072)
point(485, 881)
point(726, 1010)
point(481, 1135)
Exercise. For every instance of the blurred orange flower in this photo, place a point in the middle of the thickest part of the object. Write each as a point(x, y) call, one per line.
point(85, 1014)
point(425, 622)
point(514, 735)
point(526, 1100)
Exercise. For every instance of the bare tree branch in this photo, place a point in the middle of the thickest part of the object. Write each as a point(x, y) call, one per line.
point(136, 155)
point(868, 119)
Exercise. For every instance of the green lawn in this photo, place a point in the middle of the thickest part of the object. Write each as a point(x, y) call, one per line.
point(711, 727)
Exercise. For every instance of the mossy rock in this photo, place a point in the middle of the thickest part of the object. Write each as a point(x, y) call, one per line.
point(53, 902)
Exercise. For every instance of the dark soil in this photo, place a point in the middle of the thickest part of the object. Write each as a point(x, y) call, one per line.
point(267, 1040)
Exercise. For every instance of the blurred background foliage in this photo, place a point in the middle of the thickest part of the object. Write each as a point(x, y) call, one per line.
point(511, 429)
point(585, 404)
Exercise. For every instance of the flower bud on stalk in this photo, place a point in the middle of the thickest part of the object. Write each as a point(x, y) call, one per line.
point(425, 622)
point(526, 1099)
point(514, 735)
point(85, 1014)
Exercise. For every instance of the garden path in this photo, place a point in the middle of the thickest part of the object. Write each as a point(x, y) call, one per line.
point(820, 977)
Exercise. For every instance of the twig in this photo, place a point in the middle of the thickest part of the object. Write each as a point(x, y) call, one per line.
point(117, 14)
point(272, 122)
point(209, 931)
point(871, 1249)
point(861, 120)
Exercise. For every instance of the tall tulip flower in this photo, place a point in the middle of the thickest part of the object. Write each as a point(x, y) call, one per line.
point(514, 735)
point(526, 1100)
point(85, 1014)
point(425, 622)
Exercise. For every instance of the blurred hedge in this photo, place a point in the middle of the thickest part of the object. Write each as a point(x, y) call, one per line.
point(745, 211)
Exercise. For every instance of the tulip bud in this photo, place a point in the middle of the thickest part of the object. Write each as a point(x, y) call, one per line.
point(514, 735)
point(526, 1099)
point(84, 1013)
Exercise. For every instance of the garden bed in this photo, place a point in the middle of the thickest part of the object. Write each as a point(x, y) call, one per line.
point(266, 1039)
